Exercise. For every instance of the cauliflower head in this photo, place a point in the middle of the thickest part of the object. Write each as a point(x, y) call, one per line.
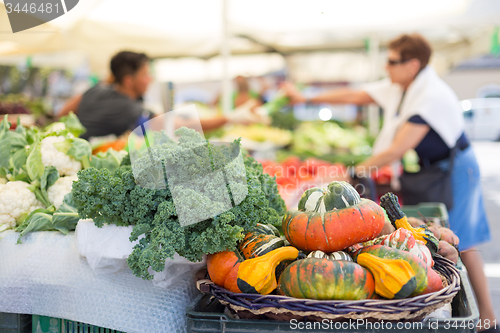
point(61, 187)
point(16, 199)
point(65, 165)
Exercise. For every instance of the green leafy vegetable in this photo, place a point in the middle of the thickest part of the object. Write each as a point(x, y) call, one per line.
point(73, 125)
point(115, 198)
point(34, 165)
point(63, 219)
point(38, 220)
point(66, 216)
point(110, 160)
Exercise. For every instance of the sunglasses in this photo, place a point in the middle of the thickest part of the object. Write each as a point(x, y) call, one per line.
point(391, 62)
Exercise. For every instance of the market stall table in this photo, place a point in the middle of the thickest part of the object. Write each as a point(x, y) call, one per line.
point(46, 276)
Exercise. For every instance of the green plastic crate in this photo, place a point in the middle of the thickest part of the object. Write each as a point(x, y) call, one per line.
point(15, 323)
point(206, 315)
point(69, 326)
point(430, 210)
point(42, 324)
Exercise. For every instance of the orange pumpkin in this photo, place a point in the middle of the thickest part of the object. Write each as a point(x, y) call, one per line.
point(223, 269)
point(333, 230)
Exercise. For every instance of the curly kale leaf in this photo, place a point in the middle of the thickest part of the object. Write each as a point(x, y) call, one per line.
point(116, 198)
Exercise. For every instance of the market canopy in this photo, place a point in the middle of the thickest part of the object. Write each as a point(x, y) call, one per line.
point(169, 28)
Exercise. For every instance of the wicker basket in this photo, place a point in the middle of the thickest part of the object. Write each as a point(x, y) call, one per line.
point(286, 308)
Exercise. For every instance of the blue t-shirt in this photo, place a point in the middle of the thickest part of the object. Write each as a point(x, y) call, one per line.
point(432, 148)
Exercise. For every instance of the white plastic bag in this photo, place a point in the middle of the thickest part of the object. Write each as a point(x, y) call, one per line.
point(107, 249)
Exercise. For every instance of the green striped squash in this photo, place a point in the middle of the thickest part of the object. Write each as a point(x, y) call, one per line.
point(338, 255)
point(326, 279)
point(337, 195)
point(266, 229)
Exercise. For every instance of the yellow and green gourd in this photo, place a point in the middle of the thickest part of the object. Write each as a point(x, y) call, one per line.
point(394, 278)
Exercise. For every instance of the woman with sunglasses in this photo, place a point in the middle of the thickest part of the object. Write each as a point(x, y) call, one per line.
point(421, 112)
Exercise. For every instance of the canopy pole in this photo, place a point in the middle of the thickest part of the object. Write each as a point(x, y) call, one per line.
point(373, 58)
point(225, 55)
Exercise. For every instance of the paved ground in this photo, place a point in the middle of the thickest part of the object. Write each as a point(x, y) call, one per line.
point(488, 155)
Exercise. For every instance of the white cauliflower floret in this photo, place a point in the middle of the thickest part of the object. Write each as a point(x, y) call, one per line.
point(3, 181)
point(61, 187)
point(15, 200)
point(56, 127)
point(66, 165)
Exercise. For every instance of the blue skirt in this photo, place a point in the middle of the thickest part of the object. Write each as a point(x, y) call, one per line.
point(468, 217)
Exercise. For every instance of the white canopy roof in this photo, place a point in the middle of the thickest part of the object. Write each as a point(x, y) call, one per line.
point(172, 28)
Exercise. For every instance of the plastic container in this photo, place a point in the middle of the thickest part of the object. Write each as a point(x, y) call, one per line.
point(15, 323)
point(76, 327)
point(430, 210)
point(206, 315)
point(42, 324)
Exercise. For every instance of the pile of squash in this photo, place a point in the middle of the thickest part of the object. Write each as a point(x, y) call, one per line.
point(330, 251)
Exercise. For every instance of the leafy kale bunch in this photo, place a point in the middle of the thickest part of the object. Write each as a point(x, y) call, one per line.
point(194, 169)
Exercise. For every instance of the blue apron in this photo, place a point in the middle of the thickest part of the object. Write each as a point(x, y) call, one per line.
point(468, 217)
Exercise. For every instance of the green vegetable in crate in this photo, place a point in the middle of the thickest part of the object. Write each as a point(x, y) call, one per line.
point(336, 229)
point(420, 268)
point(154, 214)
point(394, 278)
point(337, 195)
point(338, 255)
point(327, 280)
point(399, 220)
point(258, 275)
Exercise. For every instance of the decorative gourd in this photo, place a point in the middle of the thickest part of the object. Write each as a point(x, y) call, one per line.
point(402, 239)
point(334, 230)
point(266, 229)
point(399, 220)
point(257, 275)
point(339, 255)
point(434, 282)
point(394, 278)
point(327, 279)
point(418, 265)
point(423, 252)
point(257, 245)
point(336, 195)
point(223, 269)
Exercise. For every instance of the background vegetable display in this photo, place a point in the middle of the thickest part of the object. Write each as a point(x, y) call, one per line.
point(45, 162)
point(154, 214)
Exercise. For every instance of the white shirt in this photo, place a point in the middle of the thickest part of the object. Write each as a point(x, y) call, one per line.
point(427, 96)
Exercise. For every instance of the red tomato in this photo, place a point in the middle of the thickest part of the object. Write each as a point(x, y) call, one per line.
point(291, 165)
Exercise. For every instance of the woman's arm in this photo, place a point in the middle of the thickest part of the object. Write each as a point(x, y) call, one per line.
point(408, 137)
point(71, 105)
point(338, 96)
point(343, 96)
